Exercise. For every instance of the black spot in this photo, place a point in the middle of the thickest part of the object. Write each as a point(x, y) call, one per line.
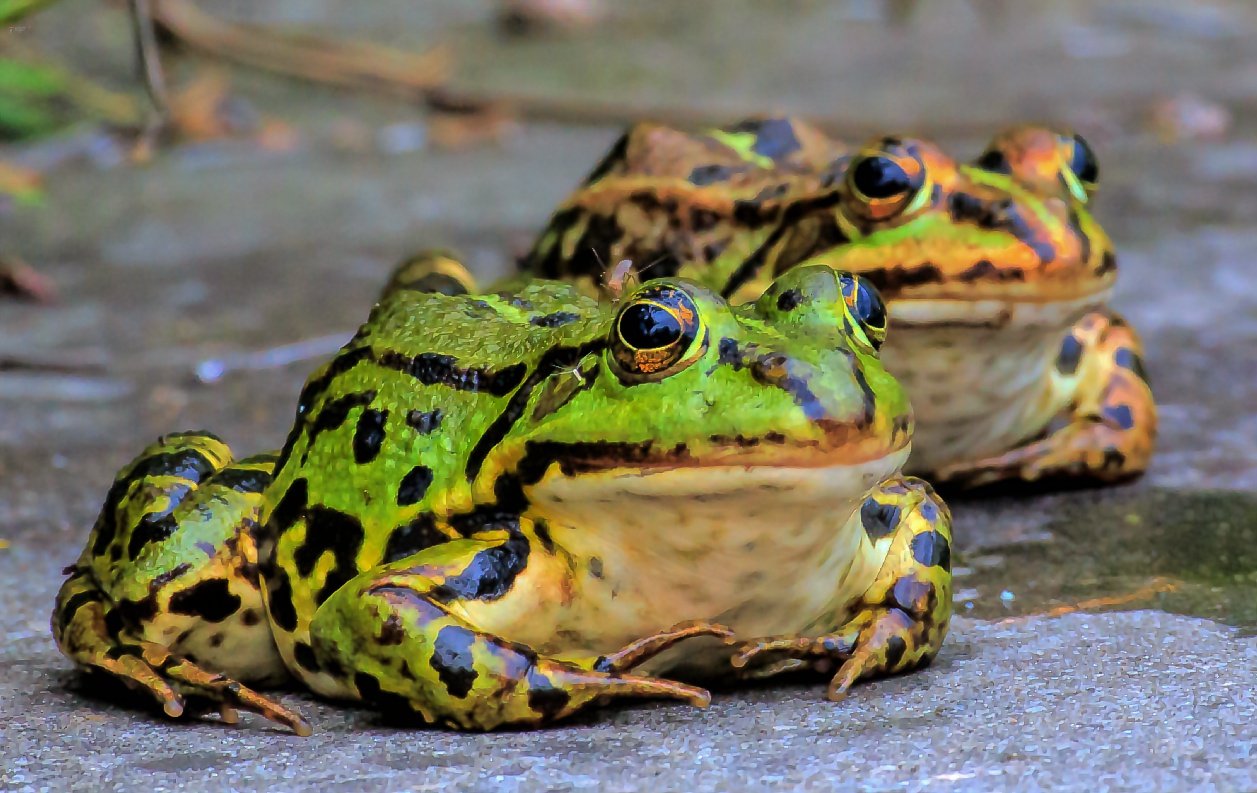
point(789, 300)
point(434, 369)
point(369, 436)
point(983, 270)
point(555, 320)
point(1070, 356)
point(878, 519)
point(895, 648)
point(489, 575)
point(210, 600)
point(290, 507)
point(250, 618)
point(334, 413)
point(595, 567)
point(544, 697)
point(303, 654)
point(329, 530)
point(729, 354)
point(774, 137)
point(1084, 242)
point(151, 528)
point(993, 160)
point(420, 534)
point(932, 550)
point(750, 214)
point(704, 175)
point(1119, 415)
point(77, 601)
point(889, 280)
point(542, 530)
point(391, 632)
point(911, 595)
point(369, 688)
point(414, 486)
point(453, 660)
point(243, 480)
point(1108, 263)
point(424, 422)
point(1113, 459)
point(279, 602)
point(1128, 359)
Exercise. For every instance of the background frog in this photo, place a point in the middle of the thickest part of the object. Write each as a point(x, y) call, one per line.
point(498, 510)
point(996, 275)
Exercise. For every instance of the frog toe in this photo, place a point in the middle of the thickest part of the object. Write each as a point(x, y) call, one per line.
point(642, 650)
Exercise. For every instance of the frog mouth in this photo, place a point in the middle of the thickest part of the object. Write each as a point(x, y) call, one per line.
point(845, 445)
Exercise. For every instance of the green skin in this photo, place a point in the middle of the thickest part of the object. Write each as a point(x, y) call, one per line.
point(424, 541)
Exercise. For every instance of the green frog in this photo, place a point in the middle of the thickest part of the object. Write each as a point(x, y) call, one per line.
point(995, 273)
point(500, 510)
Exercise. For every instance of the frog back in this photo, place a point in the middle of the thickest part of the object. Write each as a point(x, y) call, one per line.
point(380, 461)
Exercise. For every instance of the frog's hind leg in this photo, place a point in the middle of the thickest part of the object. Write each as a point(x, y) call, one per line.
point(401, 639)
point(900, 621)
point(1109, 428)
point(165, 596)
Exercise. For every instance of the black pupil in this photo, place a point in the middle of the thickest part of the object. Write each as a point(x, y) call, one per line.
point(649, 327)
point(1083, 163)
point(880, 177)
point(869, 307)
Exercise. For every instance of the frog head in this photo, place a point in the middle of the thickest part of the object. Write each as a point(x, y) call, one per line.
point(680, 389)
point(968, 240)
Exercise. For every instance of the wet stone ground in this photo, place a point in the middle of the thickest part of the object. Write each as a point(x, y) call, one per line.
point(1104, 638)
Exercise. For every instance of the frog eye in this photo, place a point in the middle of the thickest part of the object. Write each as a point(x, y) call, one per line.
point(884, 182)
point(1081, 159)
point(654, 334)
point(866, 305)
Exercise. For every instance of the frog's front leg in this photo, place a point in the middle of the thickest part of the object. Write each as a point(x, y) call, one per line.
point(165, 597)
point(1108, 430)
point(400, 639)
point(899, 622)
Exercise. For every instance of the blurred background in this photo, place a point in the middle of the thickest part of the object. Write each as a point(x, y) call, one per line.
point(185, 263)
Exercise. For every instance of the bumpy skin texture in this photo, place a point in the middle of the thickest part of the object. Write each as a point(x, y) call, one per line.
point(986, 268)
point(500, 510)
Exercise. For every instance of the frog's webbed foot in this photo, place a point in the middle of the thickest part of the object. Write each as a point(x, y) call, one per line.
point(165, 596)
point(87, 630)
point(899, 623)
point(1109, 429)
point(400, 640)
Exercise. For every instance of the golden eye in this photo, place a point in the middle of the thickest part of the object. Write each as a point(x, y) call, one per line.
point(654, 334)
point(866, 305)
point(884, 182)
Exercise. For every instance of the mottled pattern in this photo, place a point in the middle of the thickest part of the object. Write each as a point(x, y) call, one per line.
point(412, 551)
point(1013, 229)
